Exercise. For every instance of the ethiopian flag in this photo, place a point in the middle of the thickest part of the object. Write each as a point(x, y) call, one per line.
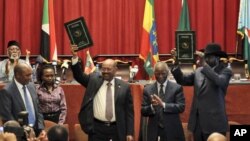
point(48, 38)
point(149, 46)
point(244, 28)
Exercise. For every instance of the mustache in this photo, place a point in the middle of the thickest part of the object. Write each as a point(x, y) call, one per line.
point(15, 56)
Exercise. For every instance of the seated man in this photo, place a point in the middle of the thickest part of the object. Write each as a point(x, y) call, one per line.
point(58, 133)
point(216, 137)
point(7, 65)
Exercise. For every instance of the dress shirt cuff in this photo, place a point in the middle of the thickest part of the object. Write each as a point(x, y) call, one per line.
point(164, 105)
point(152, 108)
point(175, 67)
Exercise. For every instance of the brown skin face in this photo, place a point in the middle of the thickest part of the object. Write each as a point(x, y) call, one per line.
point(23, 73)
point(48, 76)
point(108, 69)
point(13, 52)
point(161, 72)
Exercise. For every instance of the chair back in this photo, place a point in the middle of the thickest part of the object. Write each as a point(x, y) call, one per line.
point(80, 135)
point(48, 124)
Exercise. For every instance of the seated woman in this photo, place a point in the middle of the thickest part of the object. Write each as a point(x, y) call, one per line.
point(52, 102)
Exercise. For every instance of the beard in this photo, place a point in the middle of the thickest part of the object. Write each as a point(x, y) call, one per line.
point(14, 56)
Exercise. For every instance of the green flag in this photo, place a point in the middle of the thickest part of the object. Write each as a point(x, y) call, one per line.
point(48, 47)
point(244, 28)
point(184, 24)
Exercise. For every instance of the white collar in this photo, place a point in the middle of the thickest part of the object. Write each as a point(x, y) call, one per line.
point(164, 84)
point(112, 82)
point(19, 85)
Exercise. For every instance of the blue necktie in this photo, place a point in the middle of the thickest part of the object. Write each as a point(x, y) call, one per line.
point(29, 105)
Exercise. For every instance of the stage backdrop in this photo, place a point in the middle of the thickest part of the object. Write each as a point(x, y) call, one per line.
point(116, 25)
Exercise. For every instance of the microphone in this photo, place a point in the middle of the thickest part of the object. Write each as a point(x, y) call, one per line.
point(40, 60)
point(54, 63)
point(133, 71)
point(64, 67)
point(22, 118)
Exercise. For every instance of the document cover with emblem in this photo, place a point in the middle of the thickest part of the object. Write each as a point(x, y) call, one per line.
point(78, 33)
point(185, 46)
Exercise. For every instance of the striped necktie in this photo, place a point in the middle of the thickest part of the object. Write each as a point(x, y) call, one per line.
point(109, 102)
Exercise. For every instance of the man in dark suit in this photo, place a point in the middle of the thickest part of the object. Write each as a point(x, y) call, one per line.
point(20, 95)
point(107, 108)
point(163, 101)
point(208, 112)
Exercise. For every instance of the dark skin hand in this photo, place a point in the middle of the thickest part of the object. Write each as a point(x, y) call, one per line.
point(156, 100)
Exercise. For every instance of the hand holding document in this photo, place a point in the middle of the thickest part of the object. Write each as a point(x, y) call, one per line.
point(78, 33)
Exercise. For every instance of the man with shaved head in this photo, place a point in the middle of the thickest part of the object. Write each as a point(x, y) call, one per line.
point(107, 108)
point(216, 137)
point(20, 95)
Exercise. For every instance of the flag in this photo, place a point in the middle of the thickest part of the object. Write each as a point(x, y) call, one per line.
point(244, 28)
point(184, 24)
point(48, 47)
point(89, 65)
point(149, 46)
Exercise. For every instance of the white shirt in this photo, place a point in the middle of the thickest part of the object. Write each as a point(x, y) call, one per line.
point(158, 90)
point(100, 101)
point(20, 88)
point(159, 87)
point(99, 105)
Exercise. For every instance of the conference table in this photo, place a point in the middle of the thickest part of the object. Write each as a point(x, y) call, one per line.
point(237, 103)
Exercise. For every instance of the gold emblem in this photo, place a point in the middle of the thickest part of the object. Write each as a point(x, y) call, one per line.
point(184, 45)
point(77, 33)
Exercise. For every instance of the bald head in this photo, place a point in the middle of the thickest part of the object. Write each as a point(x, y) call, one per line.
point(109, 62)
point(20, 67)
point(22, 73)
point(216, 137)
point(161, 65)
point(11, 123)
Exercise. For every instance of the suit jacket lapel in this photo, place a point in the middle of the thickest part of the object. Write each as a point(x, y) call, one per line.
point(98, 84)
point(15, 91)
point(155, 89)
point(201, 83)
point(32, 92)
point(117, 89)
point(168, 89)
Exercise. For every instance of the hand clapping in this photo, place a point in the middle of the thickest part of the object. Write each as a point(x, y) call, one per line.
point(156, 100)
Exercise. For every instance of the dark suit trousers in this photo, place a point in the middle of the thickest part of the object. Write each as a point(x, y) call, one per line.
point(104, 132)
point(198, 134)
point(161, 134)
